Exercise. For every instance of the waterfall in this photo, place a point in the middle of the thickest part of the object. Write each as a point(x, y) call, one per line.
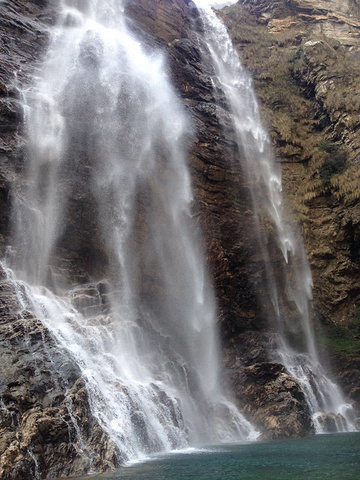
point(107, 182)
point(289, 289)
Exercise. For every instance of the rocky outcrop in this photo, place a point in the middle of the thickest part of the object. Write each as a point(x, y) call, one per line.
point(304, 59)
point(273, 400)
point(46, 426)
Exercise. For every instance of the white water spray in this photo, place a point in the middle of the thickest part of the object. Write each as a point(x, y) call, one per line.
point(327, 404)
point(104, 124)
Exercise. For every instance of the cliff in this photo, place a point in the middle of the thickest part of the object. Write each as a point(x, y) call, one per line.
point(46, 425)
point(42, 410)
point(304, 57)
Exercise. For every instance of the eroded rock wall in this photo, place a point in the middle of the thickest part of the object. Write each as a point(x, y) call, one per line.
point(222, 210)
point(24, 30)
point(304, 57)
point(47, 429)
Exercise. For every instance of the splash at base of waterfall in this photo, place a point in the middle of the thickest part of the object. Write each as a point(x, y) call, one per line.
point(107, 178)
point(330, 411)
point(143, 408)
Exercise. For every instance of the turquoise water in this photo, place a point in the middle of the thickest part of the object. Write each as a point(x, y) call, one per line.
point(324, 457)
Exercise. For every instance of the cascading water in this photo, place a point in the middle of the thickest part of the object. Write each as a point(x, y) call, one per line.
point(106, 129)
point(292, 287)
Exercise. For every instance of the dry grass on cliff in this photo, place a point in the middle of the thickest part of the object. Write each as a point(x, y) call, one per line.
point(345, 74)
point(298, 126)
point(347, 185)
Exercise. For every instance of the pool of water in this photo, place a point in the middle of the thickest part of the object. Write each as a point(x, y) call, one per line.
point(324, 457)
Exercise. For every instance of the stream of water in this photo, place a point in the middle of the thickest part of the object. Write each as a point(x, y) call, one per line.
point(290, 288)
point(106, 129)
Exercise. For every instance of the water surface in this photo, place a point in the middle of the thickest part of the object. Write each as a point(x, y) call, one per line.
point(330, 457)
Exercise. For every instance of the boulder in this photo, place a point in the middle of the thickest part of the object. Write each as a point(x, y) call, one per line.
point(272, 400)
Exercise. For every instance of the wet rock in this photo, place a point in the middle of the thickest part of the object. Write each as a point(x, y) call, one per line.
point(24, 27)
point(273, 400)
point(329, 422)
point(92, 299)
point(46, 426)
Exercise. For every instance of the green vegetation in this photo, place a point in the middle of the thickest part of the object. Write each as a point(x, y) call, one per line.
point(334, 162)
point(354, 324)
point(339, 339)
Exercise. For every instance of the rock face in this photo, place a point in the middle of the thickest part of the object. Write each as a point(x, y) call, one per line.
point(46, 425)
point(274, 400)
point(304, 58)
point(24, 26)
point(46, 417)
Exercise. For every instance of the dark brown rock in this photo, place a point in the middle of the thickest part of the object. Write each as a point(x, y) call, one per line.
point(24, 27)
point(273, 400)
point(328, 422)
point(45, 416)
